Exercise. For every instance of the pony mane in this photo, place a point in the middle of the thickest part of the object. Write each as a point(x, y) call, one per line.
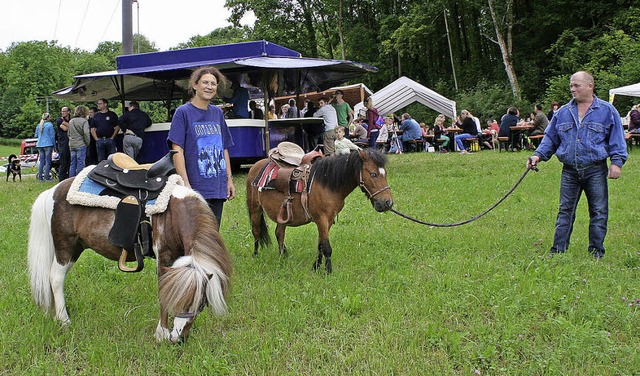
point(335, 170)
point(204, 270)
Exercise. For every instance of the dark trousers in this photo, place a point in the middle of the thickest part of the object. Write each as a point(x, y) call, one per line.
point(65, 159)
point(216, 205)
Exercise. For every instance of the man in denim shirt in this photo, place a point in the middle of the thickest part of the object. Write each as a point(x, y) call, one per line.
point(583, 134)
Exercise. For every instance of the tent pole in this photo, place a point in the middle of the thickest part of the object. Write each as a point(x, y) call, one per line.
point(265, 98)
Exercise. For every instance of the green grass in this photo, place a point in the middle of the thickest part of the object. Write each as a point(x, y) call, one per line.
point(403, 298)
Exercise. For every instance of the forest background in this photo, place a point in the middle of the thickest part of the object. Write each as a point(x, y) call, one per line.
point(485, 54)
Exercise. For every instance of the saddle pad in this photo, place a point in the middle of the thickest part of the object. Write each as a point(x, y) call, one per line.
point(267, 177)
point(86, 192)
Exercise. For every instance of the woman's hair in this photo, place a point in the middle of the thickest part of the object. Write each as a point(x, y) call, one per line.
point(45, 116)
point(81, 111)
point(198, 73)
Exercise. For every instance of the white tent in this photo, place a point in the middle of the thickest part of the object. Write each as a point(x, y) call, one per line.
point(630, 90)
point(404, 91)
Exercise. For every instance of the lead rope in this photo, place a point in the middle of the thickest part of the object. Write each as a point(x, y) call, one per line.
point(530, 166)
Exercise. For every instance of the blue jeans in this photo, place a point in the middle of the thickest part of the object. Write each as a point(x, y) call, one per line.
point(45, 163)
point(459, 138)
point(593, 181)
point(77, 160)
point(105, 147)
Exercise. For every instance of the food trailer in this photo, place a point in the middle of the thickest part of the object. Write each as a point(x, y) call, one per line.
point(269, 69)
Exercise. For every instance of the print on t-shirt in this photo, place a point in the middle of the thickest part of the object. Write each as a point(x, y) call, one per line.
point(211, 162)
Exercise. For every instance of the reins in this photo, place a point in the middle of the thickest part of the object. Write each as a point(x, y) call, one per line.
point(530, 167)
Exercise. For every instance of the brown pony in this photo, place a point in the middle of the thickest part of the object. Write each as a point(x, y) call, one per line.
point(194, 265)
point(331, 180)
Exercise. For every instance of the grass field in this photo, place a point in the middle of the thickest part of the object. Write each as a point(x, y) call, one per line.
point(404, 299)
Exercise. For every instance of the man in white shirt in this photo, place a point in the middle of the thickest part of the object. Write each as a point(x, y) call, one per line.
point(330, 118)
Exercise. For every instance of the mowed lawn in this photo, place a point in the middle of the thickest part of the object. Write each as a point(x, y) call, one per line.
point(404, 299)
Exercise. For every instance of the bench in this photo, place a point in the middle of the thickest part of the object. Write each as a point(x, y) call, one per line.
point(503, 143)
point(631, 138)
point(535, 140)
point(474, 145)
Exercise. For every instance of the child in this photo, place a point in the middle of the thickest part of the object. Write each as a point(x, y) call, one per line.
point(343, 145)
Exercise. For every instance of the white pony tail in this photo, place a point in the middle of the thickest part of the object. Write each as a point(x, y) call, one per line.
point(41, 249)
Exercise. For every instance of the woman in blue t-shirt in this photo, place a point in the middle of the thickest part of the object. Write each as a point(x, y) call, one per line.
point(201, 137)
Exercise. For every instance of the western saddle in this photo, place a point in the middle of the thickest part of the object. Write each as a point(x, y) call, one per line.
point(135, 184)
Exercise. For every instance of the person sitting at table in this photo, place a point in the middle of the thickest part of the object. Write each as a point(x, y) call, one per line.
point(410, 132)
point(440, 133)
point(469, 130)
point(510, 119)
point(359, 131)
point(284, 110)
point(540, 121)
point(342, 144)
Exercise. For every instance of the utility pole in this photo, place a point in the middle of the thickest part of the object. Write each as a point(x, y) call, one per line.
point(127, 28)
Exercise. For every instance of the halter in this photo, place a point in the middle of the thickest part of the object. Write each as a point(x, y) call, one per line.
point(190, 315)
point(367, 192)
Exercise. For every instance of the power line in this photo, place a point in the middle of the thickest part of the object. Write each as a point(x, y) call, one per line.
point(110, 18)
point(82, 22)
point(55, 30)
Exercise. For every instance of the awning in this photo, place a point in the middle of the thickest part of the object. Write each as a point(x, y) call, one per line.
point(165, 75)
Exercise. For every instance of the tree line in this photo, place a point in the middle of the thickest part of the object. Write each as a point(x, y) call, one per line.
point(485, 54)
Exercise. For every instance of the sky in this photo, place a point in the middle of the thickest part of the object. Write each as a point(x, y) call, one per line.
point(85, 23)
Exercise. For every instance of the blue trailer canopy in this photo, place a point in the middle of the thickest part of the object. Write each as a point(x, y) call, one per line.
point(164, 75)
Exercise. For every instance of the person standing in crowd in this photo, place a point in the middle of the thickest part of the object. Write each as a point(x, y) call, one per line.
point(104, 129)
point(254, 111)
point(343, 110)
point(240, 101)
point(92, 154)
point(292, 111)
point(582, 135)
point(200, 135)
point(62, 136)
point(330, 118)
point(373, 124)
point(469, 130)
point(540, 121)
point(554, 108)
point(133, 123)
point(79, 136)
point(46, 141)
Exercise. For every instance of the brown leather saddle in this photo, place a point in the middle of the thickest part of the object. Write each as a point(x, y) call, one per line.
point(135, 184)
point(288, 171)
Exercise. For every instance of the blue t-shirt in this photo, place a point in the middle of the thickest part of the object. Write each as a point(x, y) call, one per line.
point(203, 135)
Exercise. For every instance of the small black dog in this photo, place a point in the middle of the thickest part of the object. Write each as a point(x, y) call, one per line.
point(14, 167)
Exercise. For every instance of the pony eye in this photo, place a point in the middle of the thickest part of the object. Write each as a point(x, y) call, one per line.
point(373, 174)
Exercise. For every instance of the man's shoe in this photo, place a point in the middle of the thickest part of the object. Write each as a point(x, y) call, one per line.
point(555, 251)
point(596, 253)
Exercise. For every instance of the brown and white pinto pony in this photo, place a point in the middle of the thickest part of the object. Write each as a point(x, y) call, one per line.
point(332, 179)
point(194, 265)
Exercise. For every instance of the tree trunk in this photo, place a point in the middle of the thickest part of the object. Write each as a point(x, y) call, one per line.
point(506, 45)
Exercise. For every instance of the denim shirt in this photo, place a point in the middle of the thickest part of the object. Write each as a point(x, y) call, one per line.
point(581, 144)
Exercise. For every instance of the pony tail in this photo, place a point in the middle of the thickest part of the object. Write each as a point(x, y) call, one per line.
point(41, 251)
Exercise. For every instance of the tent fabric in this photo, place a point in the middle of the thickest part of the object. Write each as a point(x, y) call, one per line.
point(165, 75)
point(629, 90)
point(404, 91)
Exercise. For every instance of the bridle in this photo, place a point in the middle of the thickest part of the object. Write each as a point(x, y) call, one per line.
point(366, 190)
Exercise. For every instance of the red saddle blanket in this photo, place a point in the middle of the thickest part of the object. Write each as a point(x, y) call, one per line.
point(276, 177)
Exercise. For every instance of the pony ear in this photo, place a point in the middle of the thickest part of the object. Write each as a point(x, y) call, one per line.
point(363, 154)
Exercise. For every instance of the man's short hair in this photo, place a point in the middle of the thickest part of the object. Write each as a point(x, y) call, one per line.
point(339, 92)
point(325, 99)
point(134, 104)
point(539, 107)
point(292, 102)
point(406, 116)
point(512, 110)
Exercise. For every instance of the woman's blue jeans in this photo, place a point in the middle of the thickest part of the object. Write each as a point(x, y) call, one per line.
point(77, 160)
point(45, 163)
point(593, 181)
